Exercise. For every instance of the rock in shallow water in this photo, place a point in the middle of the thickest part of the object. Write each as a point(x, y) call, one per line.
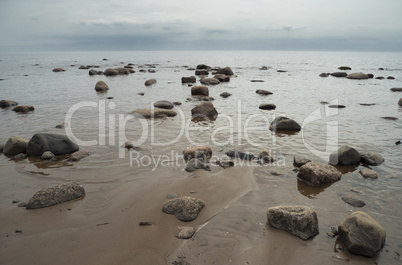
point(58, 144)
point(195, 164)
point(371, 158)
point(361, 234)
point(184, 208)
point(56, 194)
point(353, 201)
point(300, 221)
point(284, 124)
point(315, 174)
point(15, 145)
point(368, 173)
point(7, 103)
point(345, 155)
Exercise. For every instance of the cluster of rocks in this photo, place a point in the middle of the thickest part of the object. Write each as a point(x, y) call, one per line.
point(23, 109)
point(357, 75)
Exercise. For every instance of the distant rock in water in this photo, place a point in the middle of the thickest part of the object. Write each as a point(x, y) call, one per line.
point(241, 155)
point(94, 72)
point(209, 81)
point(225, 94)
point(201, 72)
point(7, 103)
point(78, 155)
point(190, 79)
point(163, 104)
point(379, 77)
point(226, 71)
point(389, 118)
point(24, 109)
point(56, 194)
point(361, 234)
point(203, 66)
point(185, 232)
point(204, 110)
point(150, 82)
point(324, 74)
point(222, 77)
point(58, 144)
point(154, 113)
point(300, 161)
point(400, 102)
point(101, 86)
point(367, 104)
point(263, 92)
point(339, 74)
point(357, 76)
point(284, 124)
point(59, 70)
point(344, 68)
point(368, 173)
point(300, 221)
point(396, 89)
point(390, 77)
point(337, 106)
point(371, 158)
point(199, 91)
point(267, 106)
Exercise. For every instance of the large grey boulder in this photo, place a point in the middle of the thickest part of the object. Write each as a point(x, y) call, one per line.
point(358, 76)
point(345, 156)
point(204, 110)
point(101, 86)
point(361, 234)
point(58, 144)
point(284, 124)
point(56, 194)
point(15, 145)
point(300, 221)
point(315, 174)
point(184, 208)
point(371, 158)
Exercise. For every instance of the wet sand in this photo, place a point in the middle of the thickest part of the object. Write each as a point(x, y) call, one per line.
point(103, 228)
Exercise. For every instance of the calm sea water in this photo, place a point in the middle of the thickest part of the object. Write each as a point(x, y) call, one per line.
point(241, 125)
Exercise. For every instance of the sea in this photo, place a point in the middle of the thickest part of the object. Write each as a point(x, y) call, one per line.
point(103, 122)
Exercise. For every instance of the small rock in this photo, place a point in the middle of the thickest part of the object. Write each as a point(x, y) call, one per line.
point(22, 204)
point(240, 155)
point(59, 70)
point(184, 208)
point(60, 125)
point(47, 155)
point(336, 106)
point(398, 142)
point(154, 113)
point(345, 155)
point(177, 103)
point(209, 81)
point(20, 156)
point(190, 79)
point(204, 110)
point(101, 86)
point(299, 161)
point(330, 234)
point(267, 106)
point(368, 173)
point(396, 89)
point(7, 103)
point(163, 104)
point(24, 109)
point(379, 77)
point(324, 74)
point(199, 91)
point(264, 68)
point(315, 174)
point(390, 77)
point(281, 71)
point(201, 72)
point(140, 94)
point(225, 94)
point(78, 155)
point(339, 74)
point(389, 118)
point(343, 68)
point(284, 124)
point(358, 76)
point(225, 164)
point(15, 201)
point(200, 152)
point(150, 82)
point(15, 145)
point(263, 92)
point(226, 71)
point(353, 201)
point(266, 156)
point(400, 102)
point(222, 77)
point(145, 224)
point(371, 158)
point(185, 232)
point(367, 104)
point(256, 81)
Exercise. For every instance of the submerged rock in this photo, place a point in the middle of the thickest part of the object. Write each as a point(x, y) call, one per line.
point(353, 201)
point(56, 194)
point(315, 174)
point(284, 124)
point(77, 156)
point(204, 110)
point(371, 158)
point(58, 144)
point(195, 164)
point(200, 152)
point(241, 155)
point(345, 156)
point(361, 234)
point(7, 103)
point(368, 173)
point(24, 108)
point(15, 145)
point(266, 156)
point(48, 155)
point(154, 113)
point(184, 208)
point(209, 81)
point(300, 221)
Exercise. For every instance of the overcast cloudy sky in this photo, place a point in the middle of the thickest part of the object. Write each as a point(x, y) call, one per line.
point(51, 25)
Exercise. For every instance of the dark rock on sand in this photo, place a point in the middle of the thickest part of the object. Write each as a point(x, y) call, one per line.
point(7, 103)
point(339, 74)
point(267, 106)
point(299, 161)
point(24, 109)
point(78, 155)
point(368, 173)
point(200, 152)
point(154, 113)
point(263, 92)
point(204, 110)
point(101, 86)
point(163, 104)
point(185, 232)
point(201, 72)
point(222, 77)
point(300, 221)
point(184, 208)
point(15, 145)
point(315, 174)
point(199, 91)
point(58, 144)
point(284, 124)
point(150, 82)
point(353, 201)
point(47, 155)
point(396, 89)
point(361, 234)
point(343, 68)
point(209, 81)
point(371, 158)
point(59, 70)
point(195, 164)
point(345, 156)
point(225, 94)
point(56, 194)
point(190, 79)
point(241, 155)
point(226, 71)
point(359, 76)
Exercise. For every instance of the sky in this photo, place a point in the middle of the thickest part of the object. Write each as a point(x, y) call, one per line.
point(99, 25)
